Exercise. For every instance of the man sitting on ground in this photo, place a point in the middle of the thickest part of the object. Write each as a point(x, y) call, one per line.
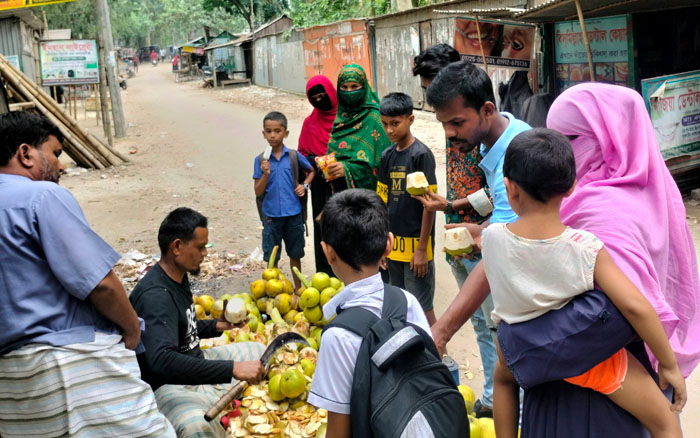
point(173, 358)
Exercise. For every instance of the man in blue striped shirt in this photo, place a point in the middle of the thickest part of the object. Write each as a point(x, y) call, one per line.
point(68, 330)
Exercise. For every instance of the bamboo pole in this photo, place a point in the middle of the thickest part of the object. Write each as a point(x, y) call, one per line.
point(58, 117)
point(582, 23)
point(481, 46)
point(48, 102)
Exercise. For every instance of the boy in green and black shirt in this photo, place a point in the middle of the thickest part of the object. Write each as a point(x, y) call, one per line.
point(410, 265)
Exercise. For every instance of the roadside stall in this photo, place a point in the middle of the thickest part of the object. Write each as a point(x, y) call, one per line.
point(228, 55)
point(191, 59)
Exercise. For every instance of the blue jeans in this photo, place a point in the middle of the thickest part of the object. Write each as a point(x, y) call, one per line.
point(481, 320)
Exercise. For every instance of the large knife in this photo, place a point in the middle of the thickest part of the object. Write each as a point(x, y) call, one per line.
point(235, 392)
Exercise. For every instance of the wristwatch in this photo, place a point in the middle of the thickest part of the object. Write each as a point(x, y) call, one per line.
point(306, 187)
point(449, 209)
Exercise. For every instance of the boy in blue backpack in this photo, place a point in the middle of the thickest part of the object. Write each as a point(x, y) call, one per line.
point(275, 184)
point(355, 237)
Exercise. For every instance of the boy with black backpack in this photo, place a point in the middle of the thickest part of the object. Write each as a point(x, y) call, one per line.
point(378, 372)
point(281, 192)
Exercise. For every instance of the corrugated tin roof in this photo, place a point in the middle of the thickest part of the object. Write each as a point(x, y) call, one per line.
point(193, 43)
point(489, 12)
point(561, 10)
point(237, 42)
point(332, 23)
point(436, 7)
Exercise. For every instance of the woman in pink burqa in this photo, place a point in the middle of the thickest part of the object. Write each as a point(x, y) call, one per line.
point(626, 196)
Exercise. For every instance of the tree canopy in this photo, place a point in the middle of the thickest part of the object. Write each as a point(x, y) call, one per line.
point(167, 22)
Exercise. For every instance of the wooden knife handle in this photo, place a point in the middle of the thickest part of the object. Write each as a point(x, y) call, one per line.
point(225, 400)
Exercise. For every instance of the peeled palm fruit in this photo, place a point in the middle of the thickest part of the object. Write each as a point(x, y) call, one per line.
point(236, 311)
point(416, 183)
point(458, 241)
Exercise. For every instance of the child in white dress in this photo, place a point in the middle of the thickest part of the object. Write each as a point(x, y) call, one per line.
point(537, 264)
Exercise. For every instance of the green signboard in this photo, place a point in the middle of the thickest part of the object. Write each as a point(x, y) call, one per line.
point(68, 62)
point(610, 49)
point(674, 106)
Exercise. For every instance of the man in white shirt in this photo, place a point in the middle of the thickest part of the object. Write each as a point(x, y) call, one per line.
point(355, 237)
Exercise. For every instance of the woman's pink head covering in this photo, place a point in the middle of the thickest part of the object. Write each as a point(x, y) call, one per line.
point(626, 196)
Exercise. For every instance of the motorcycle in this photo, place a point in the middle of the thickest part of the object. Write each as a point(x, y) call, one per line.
point(122, 81)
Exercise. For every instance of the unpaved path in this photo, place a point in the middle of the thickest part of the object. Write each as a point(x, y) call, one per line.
point(195, 148)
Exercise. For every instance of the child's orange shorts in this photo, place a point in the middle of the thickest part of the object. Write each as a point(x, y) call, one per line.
point(606, 377)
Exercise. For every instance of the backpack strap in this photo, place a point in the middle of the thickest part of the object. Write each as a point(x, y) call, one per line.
point(299, 178)
point(355, 319)
point(395, 305)
point(294, 163)
point(259, 199)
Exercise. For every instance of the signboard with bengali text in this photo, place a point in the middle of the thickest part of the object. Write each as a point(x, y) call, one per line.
point(610, 50)
point(505, 45)
point(674, 106)
point(68, 62)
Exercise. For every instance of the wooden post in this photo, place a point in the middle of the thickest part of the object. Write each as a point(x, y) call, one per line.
point(97, 116)
point(106, 123)
point(579, 11)
point(212, 59)
point(102, 12)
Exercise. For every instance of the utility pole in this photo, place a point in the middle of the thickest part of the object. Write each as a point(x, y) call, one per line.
point(102, 11)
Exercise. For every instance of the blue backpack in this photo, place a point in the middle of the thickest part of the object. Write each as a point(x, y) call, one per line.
point(400, 388)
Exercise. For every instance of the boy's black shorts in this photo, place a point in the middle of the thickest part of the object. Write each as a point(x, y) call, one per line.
point(290, 229)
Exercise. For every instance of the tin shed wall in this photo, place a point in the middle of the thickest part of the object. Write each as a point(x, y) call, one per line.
point(261, 62)
point(398, 40)
point(328, 48)
point(10, 37)
point(288, 72)
point(396, 47)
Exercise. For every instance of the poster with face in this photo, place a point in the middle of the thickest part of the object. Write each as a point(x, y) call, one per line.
point(505, 45)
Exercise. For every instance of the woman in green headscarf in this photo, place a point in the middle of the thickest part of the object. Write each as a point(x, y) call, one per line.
point(357, 138)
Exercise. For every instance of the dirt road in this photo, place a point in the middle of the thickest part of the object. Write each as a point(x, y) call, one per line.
point(195, 148)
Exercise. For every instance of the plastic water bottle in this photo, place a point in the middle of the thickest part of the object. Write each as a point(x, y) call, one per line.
point(452, 366)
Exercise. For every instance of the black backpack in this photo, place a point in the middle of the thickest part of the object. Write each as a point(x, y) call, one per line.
point(297, 176)
point(401, 388)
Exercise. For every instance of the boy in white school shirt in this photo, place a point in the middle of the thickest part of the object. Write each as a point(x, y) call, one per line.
point(355, 237)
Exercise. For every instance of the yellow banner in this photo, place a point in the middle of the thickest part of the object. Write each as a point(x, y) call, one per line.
point(17, 4)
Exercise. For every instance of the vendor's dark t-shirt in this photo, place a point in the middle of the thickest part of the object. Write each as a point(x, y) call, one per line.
point(172, 334)
point(405, 213)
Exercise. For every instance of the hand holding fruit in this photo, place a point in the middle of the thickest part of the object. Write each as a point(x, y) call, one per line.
point(234, 315)
point(250, 371)
point(431, 201)
point(265, 167)
point(474, 230)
